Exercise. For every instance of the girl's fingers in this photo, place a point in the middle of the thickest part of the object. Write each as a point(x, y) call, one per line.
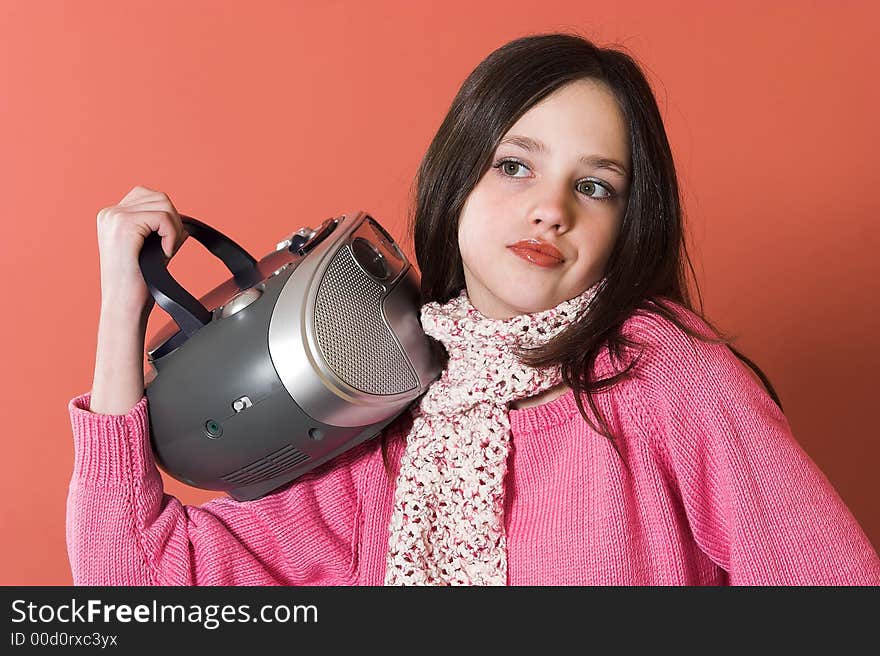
point(154, 204)
point(138, 193)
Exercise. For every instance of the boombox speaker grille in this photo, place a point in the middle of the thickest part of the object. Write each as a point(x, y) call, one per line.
point(347, 304)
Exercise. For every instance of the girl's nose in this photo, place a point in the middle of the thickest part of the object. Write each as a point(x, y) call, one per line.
point(556, 221)
point(552, 211)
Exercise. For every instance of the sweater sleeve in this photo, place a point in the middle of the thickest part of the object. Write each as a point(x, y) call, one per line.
point(758, 506)
point(122, 529)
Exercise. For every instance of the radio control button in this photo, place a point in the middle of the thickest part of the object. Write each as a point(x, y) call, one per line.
point(240, 301)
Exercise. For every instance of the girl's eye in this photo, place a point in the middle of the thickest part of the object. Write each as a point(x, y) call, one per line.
point(592, 184)
point(509, 168)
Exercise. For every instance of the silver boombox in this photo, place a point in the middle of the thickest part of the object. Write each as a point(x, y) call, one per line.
point(290, 362)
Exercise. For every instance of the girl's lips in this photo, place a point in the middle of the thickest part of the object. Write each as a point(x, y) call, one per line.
point(537, 252)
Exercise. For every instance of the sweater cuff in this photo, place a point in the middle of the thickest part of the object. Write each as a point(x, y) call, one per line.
point(110, 449)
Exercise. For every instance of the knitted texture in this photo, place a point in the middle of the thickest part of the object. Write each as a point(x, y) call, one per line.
point(709, 488)
point(448, 521)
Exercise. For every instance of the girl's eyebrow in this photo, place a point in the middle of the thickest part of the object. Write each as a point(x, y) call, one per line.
point(596, 161)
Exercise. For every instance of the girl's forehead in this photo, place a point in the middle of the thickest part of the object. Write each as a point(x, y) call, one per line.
point(581, 116)
point(579, 102)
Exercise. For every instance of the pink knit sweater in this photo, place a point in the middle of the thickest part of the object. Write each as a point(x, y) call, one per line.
point(716, 491)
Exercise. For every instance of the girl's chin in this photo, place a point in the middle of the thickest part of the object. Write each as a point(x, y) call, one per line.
point(504, 308)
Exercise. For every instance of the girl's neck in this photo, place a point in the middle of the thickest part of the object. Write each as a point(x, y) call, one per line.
point(540, 399)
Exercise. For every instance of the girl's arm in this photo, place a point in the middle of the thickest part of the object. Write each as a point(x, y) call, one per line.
point(121, 526)
point(758, 506)
point(122, 529)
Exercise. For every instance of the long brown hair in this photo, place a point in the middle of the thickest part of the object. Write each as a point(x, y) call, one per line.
point(649, 262)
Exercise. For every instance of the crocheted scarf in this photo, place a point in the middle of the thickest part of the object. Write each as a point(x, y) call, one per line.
point(447, 526)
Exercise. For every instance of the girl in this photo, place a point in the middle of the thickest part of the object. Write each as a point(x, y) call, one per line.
point(589, 426)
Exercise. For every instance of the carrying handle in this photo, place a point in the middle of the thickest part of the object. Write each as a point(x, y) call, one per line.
point(188, 313)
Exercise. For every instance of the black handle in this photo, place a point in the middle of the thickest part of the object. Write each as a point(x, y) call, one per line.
point(189, 314)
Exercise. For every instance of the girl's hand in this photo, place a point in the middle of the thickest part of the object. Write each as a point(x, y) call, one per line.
point(122, 230)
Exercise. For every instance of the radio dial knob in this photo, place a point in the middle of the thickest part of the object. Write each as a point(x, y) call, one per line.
point(240, 301)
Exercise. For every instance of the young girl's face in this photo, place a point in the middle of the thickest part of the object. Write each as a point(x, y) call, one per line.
point(547, 194)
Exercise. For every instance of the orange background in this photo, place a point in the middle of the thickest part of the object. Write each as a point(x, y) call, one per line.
point(262, 117)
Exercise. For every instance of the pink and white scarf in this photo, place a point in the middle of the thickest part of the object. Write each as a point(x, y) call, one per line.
point(447, 527)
